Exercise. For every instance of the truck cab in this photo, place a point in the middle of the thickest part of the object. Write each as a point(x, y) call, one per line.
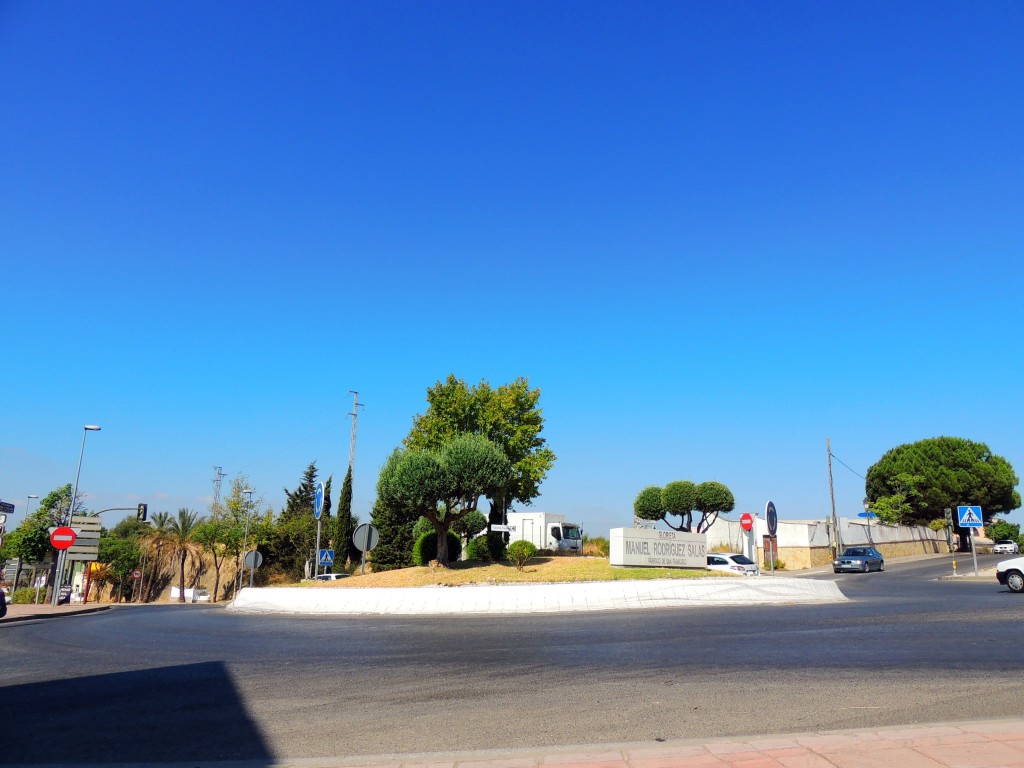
point(565, 536)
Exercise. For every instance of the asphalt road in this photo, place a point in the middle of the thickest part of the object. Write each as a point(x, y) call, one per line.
point(195, 683)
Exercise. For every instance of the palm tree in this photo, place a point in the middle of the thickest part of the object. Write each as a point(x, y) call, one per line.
point(182, 539)
point(157, 538)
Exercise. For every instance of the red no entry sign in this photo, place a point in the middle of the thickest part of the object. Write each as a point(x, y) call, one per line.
point(62, 537)
point(747, 521)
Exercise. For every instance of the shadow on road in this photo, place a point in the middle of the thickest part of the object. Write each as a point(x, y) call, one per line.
point(172, 714)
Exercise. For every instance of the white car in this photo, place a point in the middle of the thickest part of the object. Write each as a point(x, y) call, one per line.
point(1010, 573)
point(1006, 547)
point(329, 576)
point(731, 562)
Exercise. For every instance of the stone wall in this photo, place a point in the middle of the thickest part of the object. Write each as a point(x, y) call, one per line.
point(802, 558)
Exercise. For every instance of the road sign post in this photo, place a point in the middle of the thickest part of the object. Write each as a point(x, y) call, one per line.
point(772, 518)
point(325, 558)
point(365, 537)
point(318, 510)
point(971, 517)
point(253, 559)
point(747, 524)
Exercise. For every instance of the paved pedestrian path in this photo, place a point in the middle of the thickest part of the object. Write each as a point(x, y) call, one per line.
point(984, 744)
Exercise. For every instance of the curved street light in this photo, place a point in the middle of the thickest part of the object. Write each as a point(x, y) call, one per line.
point(28, 504)
point(62, 559)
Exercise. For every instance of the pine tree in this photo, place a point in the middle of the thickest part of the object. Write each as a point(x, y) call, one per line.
point(294, 534)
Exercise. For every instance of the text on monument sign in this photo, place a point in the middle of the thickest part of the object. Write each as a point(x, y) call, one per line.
point(658, 549)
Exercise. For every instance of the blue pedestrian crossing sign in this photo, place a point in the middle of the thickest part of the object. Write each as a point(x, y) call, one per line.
point(326, 557)
point(969, 517)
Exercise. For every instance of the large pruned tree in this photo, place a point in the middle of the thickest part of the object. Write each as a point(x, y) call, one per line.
point(925, 478)
point(446, 485)
point(508, 415)
point(681, 498)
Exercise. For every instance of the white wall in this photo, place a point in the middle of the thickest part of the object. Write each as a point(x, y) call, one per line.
point(815, 533)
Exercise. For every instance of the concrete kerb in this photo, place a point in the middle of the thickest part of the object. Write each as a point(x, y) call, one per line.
point(30, 612)
point(536, 598)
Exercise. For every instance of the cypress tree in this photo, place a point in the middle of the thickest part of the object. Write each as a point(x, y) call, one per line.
point(343, 526)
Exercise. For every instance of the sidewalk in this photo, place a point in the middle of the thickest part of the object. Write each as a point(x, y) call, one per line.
point(47, 611)
point(983, 744)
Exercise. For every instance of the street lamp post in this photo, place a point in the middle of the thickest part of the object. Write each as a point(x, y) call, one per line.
point(245, 538)
point(62, 559)
point(867, 514)
point(28, 504)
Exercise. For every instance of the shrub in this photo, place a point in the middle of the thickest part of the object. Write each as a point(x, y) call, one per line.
point(477, 549)
point(518, 552)
point(425, 548)
point(423, 525)
point(596, 546)
point(488, 549)
point(27, 596)
point(779, 565)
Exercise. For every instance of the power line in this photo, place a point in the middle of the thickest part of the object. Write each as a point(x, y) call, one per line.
point(858, 474)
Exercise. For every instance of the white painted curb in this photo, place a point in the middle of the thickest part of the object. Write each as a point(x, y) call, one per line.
point(535, 598)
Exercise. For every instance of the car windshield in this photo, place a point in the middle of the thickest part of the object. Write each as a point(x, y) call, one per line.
point(1004, 541)
point(742, 560)
point(570, 532)
point(855, 552)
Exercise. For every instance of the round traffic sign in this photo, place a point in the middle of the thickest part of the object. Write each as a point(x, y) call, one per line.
point(365, 537)
point(747, 521)
point(253, 559)
point(318, 501)
point(136, 574)
point(772, 517)
point(62, 537)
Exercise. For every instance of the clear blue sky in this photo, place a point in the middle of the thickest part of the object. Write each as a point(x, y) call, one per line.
point(713, 234)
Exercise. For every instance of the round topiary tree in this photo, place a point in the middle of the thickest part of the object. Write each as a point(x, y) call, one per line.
point(519, 552)
point(712, 499)
point(679, 498)
point(648, 504)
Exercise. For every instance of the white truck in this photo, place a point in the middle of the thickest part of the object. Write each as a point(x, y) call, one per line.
point(546, 531)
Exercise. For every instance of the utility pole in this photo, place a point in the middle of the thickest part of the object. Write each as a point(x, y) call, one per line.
point(832, 495)
point(356, 405)
point(218, 476)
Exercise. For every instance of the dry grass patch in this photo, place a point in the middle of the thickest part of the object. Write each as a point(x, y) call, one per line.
point(539, 570)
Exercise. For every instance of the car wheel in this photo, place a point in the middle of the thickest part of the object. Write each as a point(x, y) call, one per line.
point(835, 570)
point(867, 566)
point(1015, 581)
point(881, 566)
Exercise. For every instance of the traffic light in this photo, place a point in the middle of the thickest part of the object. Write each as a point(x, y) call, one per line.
point(140, 515)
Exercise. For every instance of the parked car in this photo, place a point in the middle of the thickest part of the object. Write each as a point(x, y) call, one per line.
point(731, 562)
point(1010, 573)
point(329, 576)
point(1005, 547)
point(859, 559)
